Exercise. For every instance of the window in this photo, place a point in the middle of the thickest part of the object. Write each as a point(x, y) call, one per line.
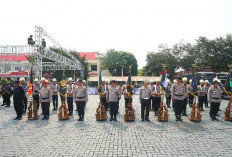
point(93, 67)
point(18, 68)
point(7, 69)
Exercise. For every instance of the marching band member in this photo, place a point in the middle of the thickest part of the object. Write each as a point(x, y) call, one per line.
point(127, 98)
point(45, 99)
point(144, 98)
point(104, 90)
point(55, 89)
point(80, 96)
point(168, 97)
point(69, 93)
point(191, 96)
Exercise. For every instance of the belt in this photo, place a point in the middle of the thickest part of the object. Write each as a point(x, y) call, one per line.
point(45, 98)
point(178, 95)
point(80, 97)
point(215, 98)
point(146, 98)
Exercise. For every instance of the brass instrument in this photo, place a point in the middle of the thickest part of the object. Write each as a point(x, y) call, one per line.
point(32, 111)
point(63, 112)
point(195, 112)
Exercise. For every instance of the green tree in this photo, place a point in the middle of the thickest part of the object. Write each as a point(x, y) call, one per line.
point(114, 61)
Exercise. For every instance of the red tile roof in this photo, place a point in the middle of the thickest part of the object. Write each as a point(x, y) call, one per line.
point(89, 55)
point(13, 58)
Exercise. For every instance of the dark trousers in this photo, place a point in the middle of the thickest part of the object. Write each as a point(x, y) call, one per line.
point(201, 100)
point(7, 100)
point(25, 104)
point(145, 107)
point(46, 109)
point(152, 102)
point(4, 99)
point(55, 101)
point(18, 106)
point(206, 101)
point(113, 109)
point(191, 97)
point(106, 105)
point(214, 107)
point(157, 104)
point(178, 107)
point(185, 106)
point(36, 98)
point(168, 100)
point(70, 104)
point(80, 108)
point(127, 100)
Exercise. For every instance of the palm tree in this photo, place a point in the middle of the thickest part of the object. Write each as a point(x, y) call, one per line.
point(113, 61)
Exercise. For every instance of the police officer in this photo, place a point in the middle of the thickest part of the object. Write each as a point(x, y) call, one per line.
point(80, 96)
point(201, 94)
point(152, 99)
point(112, 97)
point(144, 98)
point(69, 93)
point(168, 96)
point(25, 87)
point(45, 99)
point(190, 91)
point(18, 100)
point(206, 95)
point(157, 96)
point(36, 89)
point(55, 89)
point(103, 89)
point(184, 111)
point(178, 96)
point(173, 104)
point(119, 96)
point(214, 98)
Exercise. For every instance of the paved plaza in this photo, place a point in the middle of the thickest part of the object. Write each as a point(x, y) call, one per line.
point(92, 138)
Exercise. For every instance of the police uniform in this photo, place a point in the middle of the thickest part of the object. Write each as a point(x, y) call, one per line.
point(112, 97)
point(214, 97)
point(157, 97)
point(36, 89)
point(70, 89)
point(178, 94)
point(152, 98)
point(18, 99)
point(55, 88)
point(201, 95)
point(80, 96)
point(184, 111)
point(45, 99)
point(144, 97)
point(191, 96)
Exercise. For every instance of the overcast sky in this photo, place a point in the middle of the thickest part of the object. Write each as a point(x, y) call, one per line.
point(135, 26)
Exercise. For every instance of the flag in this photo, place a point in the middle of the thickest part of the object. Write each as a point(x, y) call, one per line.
point(63, 87)
point(228, 83)
point(99, 83)
point(194, 84)
point(30, 84)
point(164, 83)
point(129, 83)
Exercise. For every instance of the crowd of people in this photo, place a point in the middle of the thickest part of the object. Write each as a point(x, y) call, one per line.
point(178, 94)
